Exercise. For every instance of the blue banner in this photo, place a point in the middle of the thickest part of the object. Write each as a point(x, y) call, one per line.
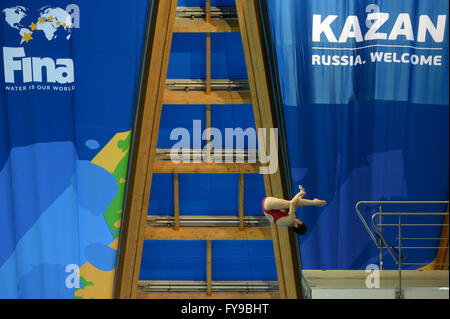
point(68, 78)
point(365, 91)
point(356, 51)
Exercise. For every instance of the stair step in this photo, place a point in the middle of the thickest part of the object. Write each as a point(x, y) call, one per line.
point(169, 167)
point(201, 26)
point(219, 13)
point(206, 221)
point(215, 155)
point(152, 233)
point(200, 85)
point(187, 296)
point(194, 286)
point(201, 98)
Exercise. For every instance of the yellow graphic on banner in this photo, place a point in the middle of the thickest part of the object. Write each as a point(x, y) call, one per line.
point(27, 37)
point(112, 153)
point(98, 284)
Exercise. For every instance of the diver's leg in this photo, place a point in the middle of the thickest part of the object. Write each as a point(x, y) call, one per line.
point(298, 226)
point(286, 220)
point(307, 202)
point(273, 203)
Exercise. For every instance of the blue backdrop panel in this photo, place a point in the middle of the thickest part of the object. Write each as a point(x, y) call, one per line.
point(55, 120)
point(243, 260)
point(186, 260)
point(173, 260)
point(345, 49)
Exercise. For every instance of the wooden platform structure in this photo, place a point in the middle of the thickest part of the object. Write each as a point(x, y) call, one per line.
point(147, 159)
point(351, 284)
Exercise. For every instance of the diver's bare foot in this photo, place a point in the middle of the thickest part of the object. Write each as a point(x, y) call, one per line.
point(302, 191)
point(320, 202)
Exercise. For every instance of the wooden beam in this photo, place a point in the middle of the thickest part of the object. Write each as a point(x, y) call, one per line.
point(208, 134)
point(207, 234)
point(201, 26)
point(278, 261)
point(283, 238)
point(201, 98)
point(169, 167)
point(208, 11)
point(241, 201)
point(208, 123)
point(209, 267)
point(208, 80)
point(208, 63)
point(205, 296)
point(259, 124)
point(176, 201)
point(145, 137)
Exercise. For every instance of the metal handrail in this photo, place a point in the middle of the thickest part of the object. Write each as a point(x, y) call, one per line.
point(189, 85)
point(201, 286)
point(207, 221)
point(218, 13)
point(383, 244)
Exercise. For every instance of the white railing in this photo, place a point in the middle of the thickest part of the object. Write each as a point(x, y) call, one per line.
point(397, 250)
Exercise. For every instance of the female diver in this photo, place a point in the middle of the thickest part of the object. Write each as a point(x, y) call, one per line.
point(282, 212)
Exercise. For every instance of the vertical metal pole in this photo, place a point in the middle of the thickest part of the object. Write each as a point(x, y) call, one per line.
point(176, 201)
point(209, 267)
point(400, 291)
point(208, 49)
point(381, 242)
point(208, 135)
point(208, 82)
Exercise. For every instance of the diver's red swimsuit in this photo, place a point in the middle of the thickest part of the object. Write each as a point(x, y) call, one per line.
point(276, 214)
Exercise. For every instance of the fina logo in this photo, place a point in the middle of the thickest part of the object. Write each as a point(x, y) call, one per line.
point(52, 22)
